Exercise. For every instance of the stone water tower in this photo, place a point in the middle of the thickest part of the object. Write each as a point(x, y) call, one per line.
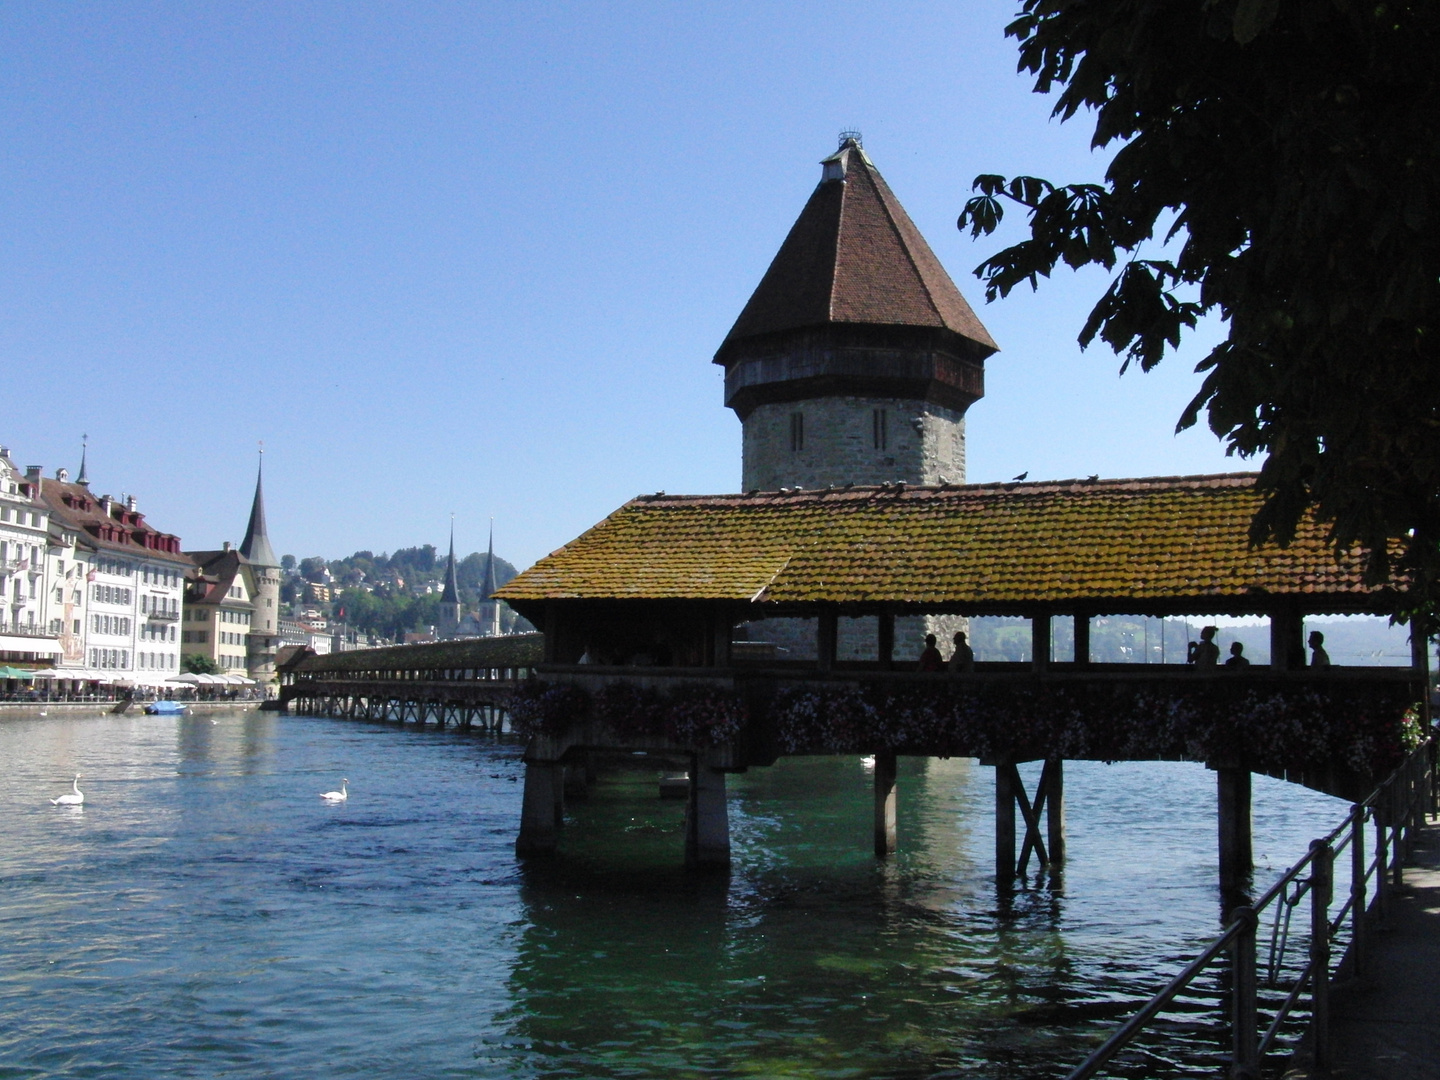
point(856, 357)
point(854, 363)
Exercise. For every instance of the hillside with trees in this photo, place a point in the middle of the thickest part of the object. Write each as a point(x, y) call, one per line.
point(388, 595)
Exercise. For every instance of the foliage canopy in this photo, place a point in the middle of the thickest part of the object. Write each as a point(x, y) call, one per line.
point(1289, 149)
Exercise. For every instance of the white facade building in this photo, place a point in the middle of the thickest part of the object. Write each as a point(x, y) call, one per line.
point(129, 577)
point(25, 633)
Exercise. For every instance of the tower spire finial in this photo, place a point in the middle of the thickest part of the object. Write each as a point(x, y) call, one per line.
point(83, 477)
point(256, 545)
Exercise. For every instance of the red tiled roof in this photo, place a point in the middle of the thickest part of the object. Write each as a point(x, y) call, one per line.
point(120, 530)
point(854, 256)
point(1165, 542)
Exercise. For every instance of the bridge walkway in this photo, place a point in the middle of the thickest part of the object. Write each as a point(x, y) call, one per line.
point(1386, 1025)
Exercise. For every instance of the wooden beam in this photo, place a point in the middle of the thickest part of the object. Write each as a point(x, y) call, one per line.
point(1082, 639)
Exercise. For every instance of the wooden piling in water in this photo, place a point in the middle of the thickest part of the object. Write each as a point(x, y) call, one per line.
point(885, 832)
point(1236, 854)
point(707, 819)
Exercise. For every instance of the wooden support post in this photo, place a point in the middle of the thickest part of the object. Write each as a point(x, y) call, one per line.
point(885, 645)
point(537, 810)
point(884, 804)
point(707, 819)
point(1040, 641)
point(1082, 640)
point(827, 633)
point(721, 629)
point(1236, 855)
point(1287, 646)
point(1004, 824)
point(1053, 781)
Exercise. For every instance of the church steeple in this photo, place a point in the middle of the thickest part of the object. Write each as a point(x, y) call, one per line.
point(490, 608)
point(83, 477)
point(256, 545)
point(451, 594)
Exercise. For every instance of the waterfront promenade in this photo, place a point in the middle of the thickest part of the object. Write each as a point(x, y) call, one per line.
point(1386, 1026)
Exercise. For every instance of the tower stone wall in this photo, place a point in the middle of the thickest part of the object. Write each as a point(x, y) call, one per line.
point(852, 440)
point(264, 638)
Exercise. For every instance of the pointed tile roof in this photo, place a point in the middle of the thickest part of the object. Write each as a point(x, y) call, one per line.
point(855, 257)
point(451, 592)
point(256, 545)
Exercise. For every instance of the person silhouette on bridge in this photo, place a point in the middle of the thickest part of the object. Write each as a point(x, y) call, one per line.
point(1319, 658)
point(930, 659)
point(962, 660)
point(1204, 653)
point(1237, 656)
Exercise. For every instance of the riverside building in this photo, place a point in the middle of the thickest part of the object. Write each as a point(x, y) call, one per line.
point(128, 610)
point(26, 633)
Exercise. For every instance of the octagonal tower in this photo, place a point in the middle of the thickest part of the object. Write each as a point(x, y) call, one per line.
point(856, 357)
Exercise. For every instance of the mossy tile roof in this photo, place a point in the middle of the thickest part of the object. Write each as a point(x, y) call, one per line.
point(1161, 539)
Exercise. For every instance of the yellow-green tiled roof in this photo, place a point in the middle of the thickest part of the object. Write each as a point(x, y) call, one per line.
point(1155, 539)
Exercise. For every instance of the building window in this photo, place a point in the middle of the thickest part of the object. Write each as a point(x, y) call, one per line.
point(879, 428)
point(797, 432)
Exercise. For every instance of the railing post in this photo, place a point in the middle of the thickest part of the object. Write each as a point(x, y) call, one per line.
point(1382, 868)
point(1321, 882)
point(1244, 1035)
point(1397, 836)
point(1357, 887)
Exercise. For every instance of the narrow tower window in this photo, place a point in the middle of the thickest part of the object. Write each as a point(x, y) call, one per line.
point(797, 432)
point(879, 428)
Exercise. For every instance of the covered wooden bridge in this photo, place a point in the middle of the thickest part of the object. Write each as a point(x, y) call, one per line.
point(655, 621)
point(447, 682)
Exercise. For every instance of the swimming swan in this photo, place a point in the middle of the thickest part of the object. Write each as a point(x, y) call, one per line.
point(334, 796)
point(74, 798)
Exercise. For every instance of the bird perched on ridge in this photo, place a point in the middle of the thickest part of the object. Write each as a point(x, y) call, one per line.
point(1021, 476)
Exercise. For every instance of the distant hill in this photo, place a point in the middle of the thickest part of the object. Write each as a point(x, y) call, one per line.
point(392, 594)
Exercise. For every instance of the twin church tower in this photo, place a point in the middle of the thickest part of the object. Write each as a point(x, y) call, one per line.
point(856, 357)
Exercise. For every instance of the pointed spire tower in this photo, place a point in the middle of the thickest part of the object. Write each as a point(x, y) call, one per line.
point(264, 574)
point(489, 607)
point(83, 477)
point(856, 357)
point(450, 595)
point(256, 545)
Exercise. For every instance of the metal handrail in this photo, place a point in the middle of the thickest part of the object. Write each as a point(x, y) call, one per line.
point(1395, 807)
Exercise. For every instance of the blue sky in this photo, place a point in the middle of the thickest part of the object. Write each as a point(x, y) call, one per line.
point(476, 258)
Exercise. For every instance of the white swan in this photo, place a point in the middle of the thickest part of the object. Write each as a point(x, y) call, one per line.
point(336, 796)
point(74, 798)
